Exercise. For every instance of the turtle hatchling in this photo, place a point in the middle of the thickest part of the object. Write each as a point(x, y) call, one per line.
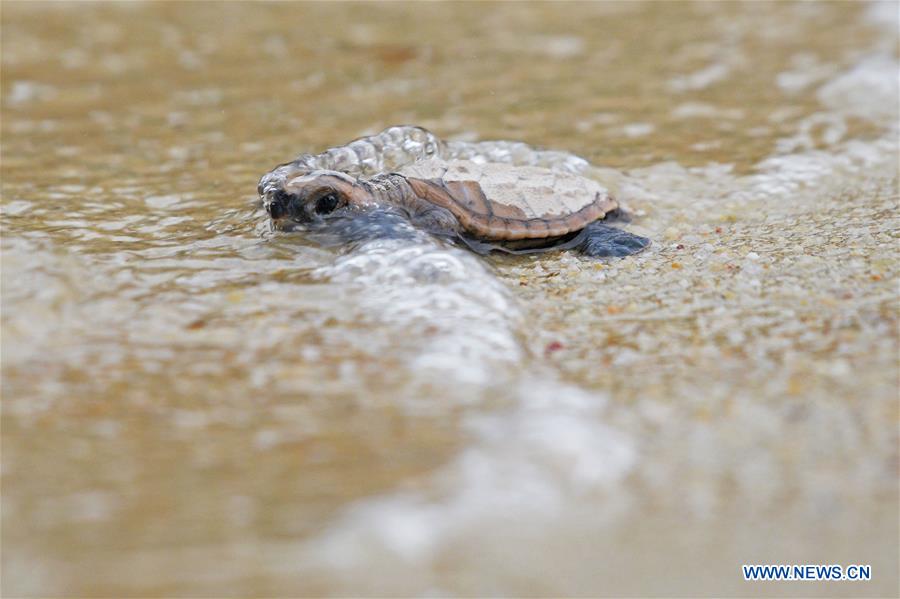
point(491, 196)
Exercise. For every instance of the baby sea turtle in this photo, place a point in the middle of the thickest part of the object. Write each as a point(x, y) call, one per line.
point(486, 205)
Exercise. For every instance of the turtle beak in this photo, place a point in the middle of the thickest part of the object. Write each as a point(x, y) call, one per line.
point(277, 204)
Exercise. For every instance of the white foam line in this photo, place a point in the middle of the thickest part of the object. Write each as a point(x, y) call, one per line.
point(526, 461)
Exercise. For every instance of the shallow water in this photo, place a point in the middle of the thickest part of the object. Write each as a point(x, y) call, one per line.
point(193, 406)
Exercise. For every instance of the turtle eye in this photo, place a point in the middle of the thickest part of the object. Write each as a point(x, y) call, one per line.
point(327, 203)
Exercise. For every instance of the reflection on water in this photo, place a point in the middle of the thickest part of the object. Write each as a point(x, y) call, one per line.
point(196, 404)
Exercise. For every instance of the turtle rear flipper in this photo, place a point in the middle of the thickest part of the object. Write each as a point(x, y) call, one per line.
point(601, 241)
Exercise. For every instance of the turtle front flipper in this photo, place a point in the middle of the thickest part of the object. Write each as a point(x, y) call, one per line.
point(602, 241)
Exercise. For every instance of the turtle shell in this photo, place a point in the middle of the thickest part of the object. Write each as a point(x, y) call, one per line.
point(495, 201)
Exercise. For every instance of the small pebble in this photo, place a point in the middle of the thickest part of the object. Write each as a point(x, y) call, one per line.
point(553, 346)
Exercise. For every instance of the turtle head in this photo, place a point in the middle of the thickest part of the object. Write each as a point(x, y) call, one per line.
point(315, 197)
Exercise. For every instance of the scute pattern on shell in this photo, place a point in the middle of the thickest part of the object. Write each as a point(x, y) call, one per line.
point(538, 192)
point(400, 146)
